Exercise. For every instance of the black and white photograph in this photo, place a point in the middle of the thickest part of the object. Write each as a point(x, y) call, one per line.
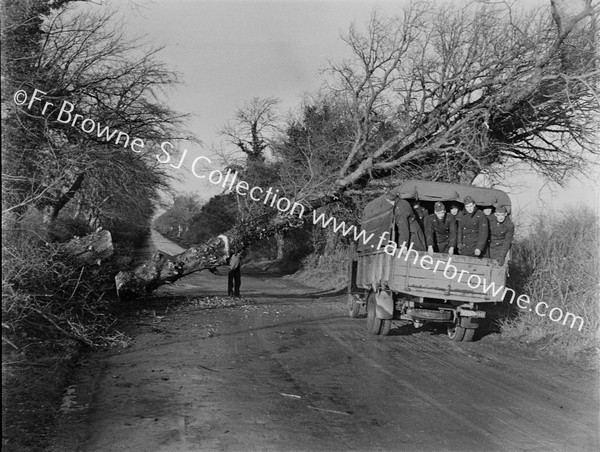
point(300, 225)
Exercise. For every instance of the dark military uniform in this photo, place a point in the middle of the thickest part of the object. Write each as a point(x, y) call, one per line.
point(422, 218)
point(421, 214)
point(441, 234)
point(472, 232)
point(501, 237)
point(408, 227)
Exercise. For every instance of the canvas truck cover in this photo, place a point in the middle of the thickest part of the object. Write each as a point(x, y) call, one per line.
point(378, 216)
point(440, 191)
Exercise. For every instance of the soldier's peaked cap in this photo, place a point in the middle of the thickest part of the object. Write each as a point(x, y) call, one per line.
point(439, 207)
point(501, 209)
point(468, 200)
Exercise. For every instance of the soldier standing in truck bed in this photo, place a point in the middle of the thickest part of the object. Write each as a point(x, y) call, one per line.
point(441, 231)
point(455, 210)
point(421, 214)
point(473, 230)
point(502, 231)
point(408, 227)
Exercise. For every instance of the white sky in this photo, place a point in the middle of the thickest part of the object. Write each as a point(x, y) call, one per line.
point(231, 51)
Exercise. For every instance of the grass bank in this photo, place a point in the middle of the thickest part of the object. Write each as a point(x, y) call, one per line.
point(329, 271)
point(558, 263)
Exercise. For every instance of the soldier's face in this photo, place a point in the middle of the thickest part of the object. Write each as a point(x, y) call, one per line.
point(487, 211)
point(470, 207)
point(500, 217)
point(440, 214)
point(454, 210)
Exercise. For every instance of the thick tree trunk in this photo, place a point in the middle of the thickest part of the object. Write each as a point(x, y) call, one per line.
point(90, 249)
point(163, 269)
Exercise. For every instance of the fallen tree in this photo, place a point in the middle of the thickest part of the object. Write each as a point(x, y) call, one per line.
point(90, 249)
point(164, 269)
point(439, 94)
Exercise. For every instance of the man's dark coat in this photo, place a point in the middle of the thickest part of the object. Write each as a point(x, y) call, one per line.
point(441, 234)
point(501, 237)
point(408, 227)
point(472, 232)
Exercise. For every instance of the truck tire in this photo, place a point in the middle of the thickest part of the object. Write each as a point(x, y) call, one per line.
point(386, 326)
point(353, 305)
point(374, 325)
point(456, 332)
point(469, 334)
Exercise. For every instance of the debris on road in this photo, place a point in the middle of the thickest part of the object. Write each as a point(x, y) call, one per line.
point(345, 413)
point(293, 396)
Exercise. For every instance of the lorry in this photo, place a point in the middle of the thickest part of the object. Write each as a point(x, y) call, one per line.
point(395, 282)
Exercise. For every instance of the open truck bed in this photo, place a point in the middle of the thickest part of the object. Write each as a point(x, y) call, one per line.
point(410, 278)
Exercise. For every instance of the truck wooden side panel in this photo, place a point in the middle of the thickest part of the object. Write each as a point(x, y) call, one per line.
point(431, 281)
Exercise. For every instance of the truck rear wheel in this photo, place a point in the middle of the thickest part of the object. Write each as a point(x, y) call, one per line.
point(354, 305)
point(374, 325)
point(460, 333)
point(456, 332)
point(469, 335)
point(386, 326)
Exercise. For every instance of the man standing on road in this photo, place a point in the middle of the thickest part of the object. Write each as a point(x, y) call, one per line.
point(473, 230)
point(441, 231)
point(234, 278)
point(502, 231)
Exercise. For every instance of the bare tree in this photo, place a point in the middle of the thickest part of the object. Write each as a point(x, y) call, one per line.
point(253, 127)
point(253, 131)
point(82, 58)
point(447, 94)
point(466, 90)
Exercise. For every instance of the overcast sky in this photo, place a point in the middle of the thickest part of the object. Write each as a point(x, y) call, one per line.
point(231, 51)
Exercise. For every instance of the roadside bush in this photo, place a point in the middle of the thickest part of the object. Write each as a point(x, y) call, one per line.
point(326, 266)
point(47, 298)
point(218, 215)
point(51, 307)
point(325, 271)
point(559, 263)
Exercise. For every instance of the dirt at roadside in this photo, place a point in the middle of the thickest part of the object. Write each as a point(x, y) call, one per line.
point(32, 391)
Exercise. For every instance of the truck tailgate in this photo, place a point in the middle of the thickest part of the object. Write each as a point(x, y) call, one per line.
point(459, 278)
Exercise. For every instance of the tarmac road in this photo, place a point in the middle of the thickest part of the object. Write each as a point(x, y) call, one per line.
point(287, 369)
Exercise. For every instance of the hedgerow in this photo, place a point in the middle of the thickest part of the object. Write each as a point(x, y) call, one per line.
point(558, 262)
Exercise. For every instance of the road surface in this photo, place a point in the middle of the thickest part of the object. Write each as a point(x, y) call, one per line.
point(288, 370)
